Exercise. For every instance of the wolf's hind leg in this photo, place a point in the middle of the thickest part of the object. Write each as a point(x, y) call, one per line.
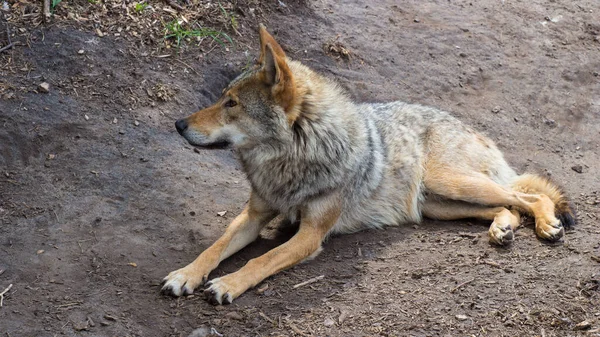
point(479, 189)
point(244, 229)
point(502, 229)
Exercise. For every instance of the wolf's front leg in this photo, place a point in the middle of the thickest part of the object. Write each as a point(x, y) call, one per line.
point(317, 219)
point(243, 230)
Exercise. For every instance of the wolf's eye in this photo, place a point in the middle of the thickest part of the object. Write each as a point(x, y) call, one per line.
point(230, 103)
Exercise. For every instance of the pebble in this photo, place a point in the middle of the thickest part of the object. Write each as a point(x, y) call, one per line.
point(81, 52)
point(585, 325)
point(44, 87)
point(329, 322)
point(577, 168)
point(136, 123)
point(343, 316)
point(462, 317)
point(200, 332)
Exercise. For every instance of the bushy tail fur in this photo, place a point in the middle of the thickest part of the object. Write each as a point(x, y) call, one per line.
point(534, 184)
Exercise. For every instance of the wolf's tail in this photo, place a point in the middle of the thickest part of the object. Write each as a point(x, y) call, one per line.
point(534, 184)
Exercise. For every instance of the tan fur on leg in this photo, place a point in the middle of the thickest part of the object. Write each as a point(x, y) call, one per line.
point(244, 229)
point(501, 230)
point(482, 190)
point(317, 219)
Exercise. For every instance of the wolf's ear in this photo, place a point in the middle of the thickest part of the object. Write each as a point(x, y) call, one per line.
point(276, 72)
point(265, 39)
point(271, 68)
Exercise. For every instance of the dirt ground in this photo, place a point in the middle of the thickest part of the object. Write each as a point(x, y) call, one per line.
point(100, 198)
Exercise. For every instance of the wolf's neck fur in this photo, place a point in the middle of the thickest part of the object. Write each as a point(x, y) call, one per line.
point(327, 143)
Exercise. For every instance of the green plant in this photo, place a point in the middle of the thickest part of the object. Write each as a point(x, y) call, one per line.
point(140, 6)
point(229, 17)
point(55, 3)
point(93, 2)
point(178, 32)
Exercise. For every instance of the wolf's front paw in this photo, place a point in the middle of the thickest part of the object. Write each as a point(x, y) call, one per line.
point(551, 230)
point(501, 234)
point(220, 291)
point(183, 281)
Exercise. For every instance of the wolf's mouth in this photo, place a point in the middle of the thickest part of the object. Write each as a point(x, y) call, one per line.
point(222, 144)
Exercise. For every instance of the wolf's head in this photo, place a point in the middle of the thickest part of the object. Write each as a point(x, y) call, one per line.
point(252, 108)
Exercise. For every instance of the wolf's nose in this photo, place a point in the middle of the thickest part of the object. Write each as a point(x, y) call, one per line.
point(181, 125)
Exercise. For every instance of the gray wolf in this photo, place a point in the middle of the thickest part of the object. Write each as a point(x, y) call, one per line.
point(313, 155)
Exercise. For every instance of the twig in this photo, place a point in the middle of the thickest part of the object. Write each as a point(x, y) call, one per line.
point(262, 314)
point(47, 13)
point(4, 292)
point(8, 46)
point(462, 285)
point(296, 330)
point(68, 305)
point(309, 281)
point(492, 263)
point(174, 4)
point(187, 65)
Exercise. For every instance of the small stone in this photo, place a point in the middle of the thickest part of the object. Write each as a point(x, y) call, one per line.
point(136, 123)
point(201, 332)
point(192, 213)
point(51, 156)
point(462, 55)
point(328, 322)
point(417, 20)
point(41, 251)
point(99, 32)
point(80, 326)
point(462, 317)
point(44, 87)
point(577, 168)
point(235, 315)
point(585, 325)
point(496, 109)
point(115, 121)
point(343, 316)
point(86, 117)
point(109, 317)
point(121, 132)
point(81, 52)
point(222, 213)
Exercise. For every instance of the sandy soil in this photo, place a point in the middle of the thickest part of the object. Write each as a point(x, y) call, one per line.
point(100, 198)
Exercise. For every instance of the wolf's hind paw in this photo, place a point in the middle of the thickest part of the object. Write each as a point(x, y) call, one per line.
point(550, 230)
point(502, 235)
